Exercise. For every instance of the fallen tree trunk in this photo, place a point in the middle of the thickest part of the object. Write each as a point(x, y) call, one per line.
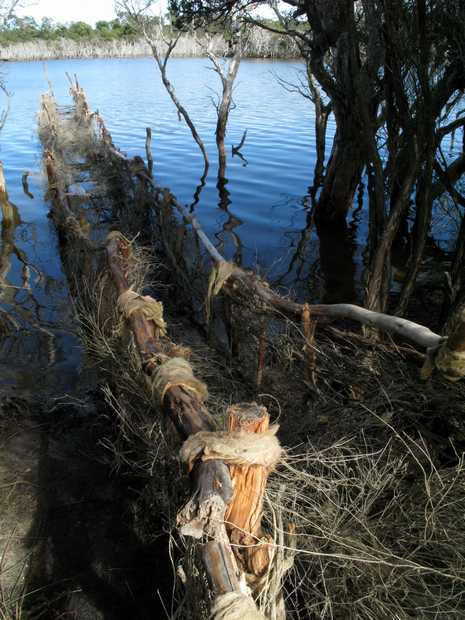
point(188, 414)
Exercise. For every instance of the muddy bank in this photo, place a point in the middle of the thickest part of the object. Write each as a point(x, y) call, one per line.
point(69, 524)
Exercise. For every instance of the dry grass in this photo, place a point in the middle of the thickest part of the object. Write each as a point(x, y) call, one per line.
point(12, 597)
point(377, 534)
point(372, 532)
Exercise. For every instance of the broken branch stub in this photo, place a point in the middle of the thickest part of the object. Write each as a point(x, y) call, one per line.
point(450, 357)
point(244, 514)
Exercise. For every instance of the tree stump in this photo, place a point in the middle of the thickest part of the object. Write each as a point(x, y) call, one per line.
point(243, 517)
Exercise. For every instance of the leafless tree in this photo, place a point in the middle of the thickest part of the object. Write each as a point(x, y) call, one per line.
point(139, 12)
point(8, 9)
point(306, 86)
point(227, 72)
point(394, 74)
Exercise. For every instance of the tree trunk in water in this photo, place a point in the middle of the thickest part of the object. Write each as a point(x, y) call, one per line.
point(455, 294)
point(421, 227)
point(378, 282)
point(321, 123)
point(224, 107)
point(322, 112)
point(343, 172)
point(337, 261)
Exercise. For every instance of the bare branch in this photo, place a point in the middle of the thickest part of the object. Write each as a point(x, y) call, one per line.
point(153, 32)
point(4, 114)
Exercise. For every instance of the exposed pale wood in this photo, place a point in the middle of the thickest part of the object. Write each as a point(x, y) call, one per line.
point(244, 514)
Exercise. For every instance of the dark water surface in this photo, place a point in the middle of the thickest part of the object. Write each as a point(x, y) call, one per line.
point(261, 216)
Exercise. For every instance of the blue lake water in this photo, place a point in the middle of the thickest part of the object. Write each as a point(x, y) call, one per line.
point(262, 217)
point(267, 196)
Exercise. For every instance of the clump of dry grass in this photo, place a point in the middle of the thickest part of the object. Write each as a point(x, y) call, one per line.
point(372, 529)
point(60, 129)
point(12, 589)
point(378, 534)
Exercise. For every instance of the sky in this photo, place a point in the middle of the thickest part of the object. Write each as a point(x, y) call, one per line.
point(89, 11)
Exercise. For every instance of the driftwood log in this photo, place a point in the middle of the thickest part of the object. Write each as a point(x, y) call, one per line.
point(204, 515)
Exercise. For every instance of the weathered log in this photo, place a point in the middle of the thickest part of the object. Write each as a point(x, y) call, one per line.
point(203, 516)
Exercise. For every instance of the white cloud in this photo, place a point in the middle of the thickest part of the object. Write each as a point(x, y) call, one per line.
point(88, 11)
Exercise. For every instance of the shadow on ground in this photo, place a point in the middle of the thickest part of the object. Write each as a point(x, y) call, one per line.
point(84, 558)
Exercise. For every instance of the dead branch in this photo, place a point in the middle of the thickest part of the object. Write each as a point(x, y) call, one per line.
point(227, 75)
point(137, 12)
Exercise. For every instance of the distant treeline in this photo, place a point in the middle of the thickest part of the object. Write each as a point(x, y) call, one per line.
point(24, 39)
point(25, 29)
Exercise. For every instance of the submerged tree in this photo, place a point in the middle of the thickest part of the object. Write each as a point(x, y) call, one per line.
point(227, 73)
point(138, 12)
point(226, 67)
point(393, 72)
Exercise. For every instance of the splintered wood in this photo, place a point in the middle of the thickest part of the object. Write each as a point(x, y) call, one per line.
point(244, 514)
